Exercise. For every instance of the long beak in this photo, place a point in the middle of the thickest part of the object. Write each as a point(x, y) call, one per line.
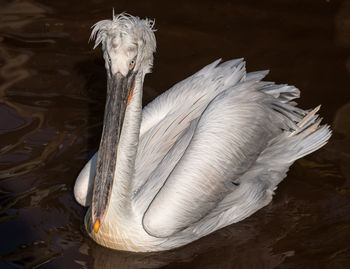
point(119, 92)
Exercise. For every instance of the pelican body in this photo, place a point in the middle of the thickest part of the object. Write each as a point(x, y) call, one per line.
point(207, 153)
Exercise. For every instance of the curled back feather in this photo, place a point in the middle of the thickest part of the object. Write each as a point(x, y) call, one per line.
point(125, 25)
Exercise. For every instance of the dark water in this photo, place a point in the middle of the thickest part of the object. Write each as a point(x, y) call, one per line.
point(52, 93)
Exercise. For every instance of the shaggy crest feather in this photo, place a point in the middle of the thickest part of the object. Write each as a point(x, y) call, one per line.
point(123, 24)
point(123, 38)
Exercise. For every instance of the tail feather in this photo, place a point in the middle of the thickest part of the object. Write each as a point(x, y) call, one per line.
point(290, 114)
point(314, 138)
point(309, 117)
point(306, 122)
point(307, 137)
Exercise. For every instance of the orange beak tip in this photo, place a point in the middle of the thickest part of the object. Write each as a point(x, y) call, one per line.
point(96, 226)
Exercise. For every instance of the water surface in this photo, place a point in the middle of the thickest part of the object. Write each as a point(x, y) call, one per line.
point(52, 93)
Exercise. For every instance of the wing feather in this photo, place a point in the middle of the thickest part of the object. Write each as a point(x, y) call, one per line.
point(231, 133)
point(166, 118)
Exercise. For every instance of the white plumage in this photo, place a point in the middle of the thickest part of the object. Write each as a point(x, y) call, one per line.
point(207, 153)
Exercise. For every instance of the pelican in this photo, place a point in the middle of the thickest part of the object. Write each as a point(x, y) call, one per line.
point(207, 153)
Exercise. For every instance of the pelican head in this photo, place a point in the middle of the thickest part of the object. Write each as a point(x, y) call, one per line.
point(128, 44)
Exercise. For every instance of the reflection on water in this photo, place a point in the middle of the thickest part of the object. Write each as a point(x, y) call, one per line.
point(52, 94)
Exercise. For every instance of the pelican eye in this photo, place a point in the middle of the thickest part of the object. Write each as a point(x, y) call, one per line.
point(132, 63)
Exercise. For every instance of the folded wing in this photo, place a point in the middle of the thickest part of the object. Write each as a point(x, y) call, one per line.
point(230, 135)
